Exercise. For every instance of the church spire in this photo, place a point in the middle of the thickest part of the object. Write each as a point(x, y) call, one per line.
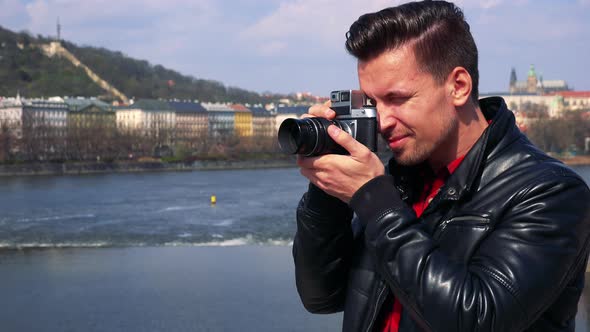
point(532, 72)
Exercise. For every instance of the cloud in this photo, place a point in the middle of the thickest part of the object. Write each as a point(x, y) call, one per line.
point(490, 4)
point(279, 44)
point(154, 15)
point(145, 29)
point(323, 23)
point(308, 23)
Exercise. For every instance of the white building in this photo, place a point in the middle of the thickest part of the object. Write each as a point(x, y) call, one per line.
point(152, 118)
point(11, 115)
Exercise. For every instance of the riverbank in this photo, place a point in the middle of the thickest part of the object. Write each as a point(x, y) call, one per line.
point(79, 168)
point(577, 160)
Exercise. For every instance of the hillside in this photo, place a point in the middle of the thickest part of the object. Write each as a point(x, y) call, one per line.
point(31, 73)
point(25, 69)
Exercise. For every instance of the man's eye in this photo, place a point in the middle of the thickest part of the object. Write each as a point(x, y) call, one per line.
point(371, 101)
point(398, 100)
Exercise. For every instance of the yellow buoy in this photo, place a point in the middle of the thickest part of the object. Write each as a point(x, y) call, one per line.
point(213, 199)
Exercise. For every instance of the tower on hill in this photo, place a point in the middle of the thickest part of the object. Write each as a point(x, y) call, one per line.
point(58, 31)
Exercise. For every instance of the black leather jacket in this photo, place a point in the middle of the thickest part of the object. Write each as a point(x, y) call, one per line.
point(502, 247)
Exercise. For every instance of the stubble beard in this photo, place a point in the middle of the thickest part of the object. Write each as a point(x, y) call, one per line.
point(421, 152)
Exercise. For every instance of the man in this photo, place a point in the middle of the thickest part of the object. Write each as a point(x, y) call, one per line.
point(470, 227)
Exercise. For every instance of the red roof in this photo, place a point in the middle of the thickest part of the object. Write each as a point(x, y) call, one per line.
point(238, 107)
point(571, 94)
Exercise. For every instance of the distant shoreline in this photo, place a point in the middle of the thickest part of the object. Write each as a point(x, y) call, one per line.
point(81, 168)
point(576, 161)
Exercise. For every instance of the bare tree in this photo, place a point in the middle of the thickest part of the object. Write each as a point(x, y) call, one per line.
point(7, 142)
point(560, 134)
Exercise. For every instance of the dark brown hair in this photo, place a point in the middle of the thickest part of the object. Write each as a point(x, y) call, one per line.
point(440, 36)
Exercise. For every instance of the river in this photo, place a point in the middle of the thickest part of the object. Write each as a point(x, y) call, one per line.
point(149, 252)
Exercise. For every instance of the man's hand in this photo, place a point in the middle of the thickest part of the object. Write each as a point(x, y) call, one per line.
point(341, 175)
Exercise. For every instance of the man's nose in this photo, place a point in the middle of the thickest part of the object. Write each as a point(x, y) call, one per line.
point(386, 121)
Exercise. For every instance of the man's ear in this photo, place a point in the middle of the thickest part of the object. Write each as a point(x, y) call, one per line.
point(459, 84)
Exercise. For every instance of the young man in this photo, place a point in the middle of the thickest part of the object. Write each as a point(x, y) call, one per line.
point(470, 227)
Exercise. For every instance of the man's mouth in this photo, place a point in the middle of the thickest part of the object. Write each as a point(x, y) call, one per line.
point(396, 142)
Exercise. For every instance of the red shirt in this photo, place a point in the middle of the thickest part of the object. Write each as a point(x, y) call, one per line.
point(432, 184)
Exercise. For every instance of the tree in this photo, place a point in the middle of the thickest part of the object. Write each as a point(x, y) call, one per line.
point(560, 134)
point(7, 142)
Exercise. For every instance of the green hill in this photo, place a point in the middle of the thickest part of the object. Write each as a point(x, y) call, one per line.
point(25, 69)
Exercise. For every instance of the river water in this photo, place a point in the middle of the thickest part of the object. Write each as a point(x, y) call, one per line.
point(150, 209)
point(149, 252)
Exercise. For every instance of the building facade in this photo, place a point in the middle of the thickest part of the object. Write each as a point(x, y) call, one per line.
point(242, 121)
point(91, 130)
point(44, 130)
point(192, 123)
point(11, 116)
point(263, 122)
point(221, 120)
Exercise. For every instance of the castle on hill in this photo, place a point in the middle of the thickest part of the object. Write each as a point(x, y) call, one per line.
point(535, 84)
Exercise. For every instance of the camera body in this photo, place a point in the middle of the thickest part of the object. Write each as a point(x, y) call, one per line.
point(309, 136)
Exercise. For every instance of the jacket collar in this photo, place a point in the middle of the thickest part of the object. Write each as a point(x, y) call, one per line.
point(499, 133)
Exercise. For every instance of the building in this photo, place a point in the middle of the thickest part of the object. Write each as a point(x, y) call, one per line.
point(554, 97)
point(130, 119)
point(573, 100)
point(191, 122)
point(242, 121)
point(157, 119)
point(551, 104)
point(44, 129)
point(221, 119)
point(263, 122)
point(87, 113)
point(535, 84)
point(11, 115)
point(91, 127)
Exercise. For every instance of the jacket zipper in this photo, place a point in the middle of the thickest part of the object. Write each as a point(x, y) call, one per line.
point(380, 299)
point(478, 220)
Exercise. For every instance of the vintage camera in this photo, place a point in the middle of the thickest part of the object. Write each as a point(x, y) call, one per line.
point(309, 136)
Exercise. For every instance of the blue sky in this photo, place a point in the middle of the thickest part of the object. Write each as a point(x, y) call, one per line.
point(297, 45)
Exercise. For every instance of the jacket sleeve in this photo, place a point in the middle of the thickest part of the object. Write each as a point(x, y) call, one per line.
point(514, 275)
point(322, 251)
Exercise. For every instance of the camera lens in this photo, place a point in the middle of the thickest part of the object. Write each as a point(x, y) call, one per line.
point(308, 137)
point(334, 97)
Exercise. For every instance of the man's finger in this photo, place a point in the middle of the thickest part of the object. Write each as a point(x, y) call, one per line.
point(345, 140)
point(307, 162)
point(322, 110)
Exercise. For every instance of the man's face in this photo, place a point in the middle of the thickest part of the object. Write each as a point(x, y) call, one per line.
point(416, 116)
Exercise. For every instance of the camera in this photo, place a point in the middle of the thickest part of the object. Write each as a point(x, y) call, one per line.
point(309, 136)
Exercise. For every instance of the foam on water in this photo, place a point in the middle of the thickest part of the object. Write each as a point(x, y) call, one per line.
point(240, 241)
point(36, 245)
point(178, 208)
point(235, 242)
point(52, 218)
point(224, 223)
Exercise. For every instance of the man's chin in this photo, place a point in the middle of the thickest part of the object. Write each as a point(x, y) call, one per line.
point(407, 159)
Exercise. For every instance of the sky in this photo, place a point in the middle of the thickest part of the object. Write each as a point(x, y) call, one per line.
point(286, 46)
